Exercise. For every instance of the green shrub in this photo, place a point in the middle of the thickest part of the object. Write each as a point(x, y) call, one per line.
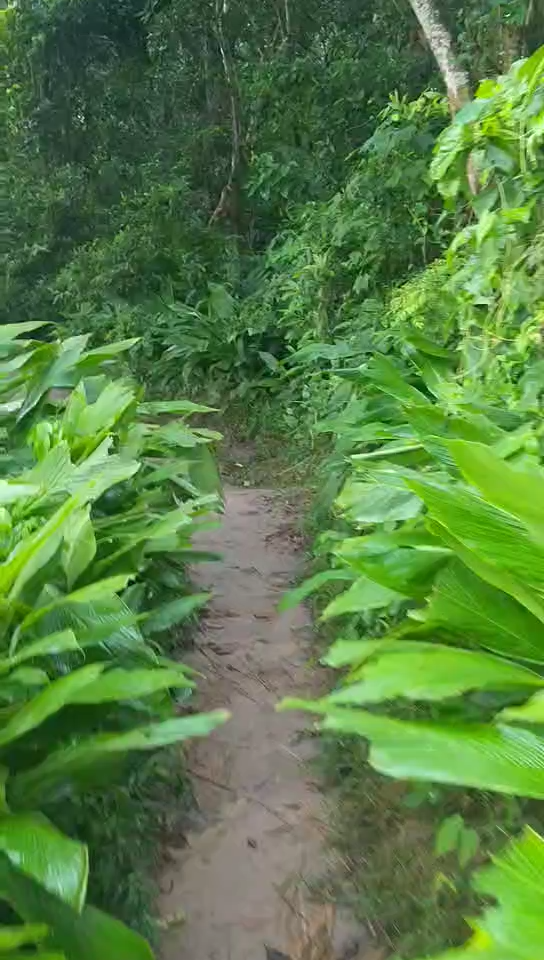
point(100, 495)
point(443, 614)
point(440, 524)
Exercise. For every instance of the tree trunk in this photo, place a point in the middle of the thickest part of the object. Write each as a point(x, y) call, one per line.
point(533, 29)
point(441, 44)
point(229, 202)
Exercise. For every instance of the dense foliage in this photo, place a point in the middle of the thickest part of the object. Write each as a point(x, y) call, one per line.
point(440, 500)
point(278, 205)
point(99, 501)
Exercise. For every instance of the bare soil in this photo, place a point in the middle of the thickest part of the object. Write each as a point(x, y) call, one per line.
point(242, 881)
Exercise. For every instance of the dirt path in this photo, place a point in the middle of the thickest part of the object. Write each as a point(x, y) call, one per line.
point(239, 878)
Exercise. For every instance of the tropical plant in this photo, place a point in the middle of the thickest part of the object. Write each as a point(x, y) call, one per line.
point(443, 504)
point(99, 499)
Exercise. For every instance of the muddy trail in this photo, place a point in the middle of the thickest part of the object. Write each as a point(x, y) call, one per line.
point(243, 878)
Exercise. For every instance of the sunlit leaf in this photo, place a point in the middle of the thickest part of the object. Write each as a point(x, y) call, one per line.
point(40, 851)
point(427, 671)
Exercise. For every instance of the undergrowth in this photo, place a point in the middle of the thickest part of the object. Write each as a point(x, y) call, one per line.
point(384, 831)
point(128, 828)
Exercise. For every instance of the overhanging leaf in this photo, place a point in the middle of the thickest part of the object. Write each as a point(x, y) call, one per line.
point(498, 758)
point(495, 535)
point(467, 606)
point(52, 645)
point(427, 671)
point(367, 503)
point(517, 491)
point(62, 767)
point(363, 595)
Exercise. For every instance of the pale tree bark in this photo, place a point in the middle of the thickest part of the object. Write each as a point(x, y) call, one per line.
point(441, 44)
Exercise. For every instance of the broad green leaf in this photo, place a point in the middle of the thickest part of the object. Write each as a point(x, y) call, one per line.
point(498, 758)
point(297, 596)
point(427, 671)
point(493, 534)
point(469, 844)
point(107, 351)
point(406, 570)
point(52, 474)
point(48, 702)
point(176, 434)
point(62, 767)
point(496, 577)
point(57, 373)
point(388, 378)
point(98, 418)
point(120, 684)
point(168, 524)
point(13, 937)
point(108, 622)
point(467, 606)
point(170, 614)
point(79, 546)
point(517, 491)
point(426, 345)
point(366, 503)
point(23, 677)
point(36, 848)
point(36, 550)
point(346, 653)
point(9, 331)
point(204, 473)
point(99, 591)
point(89, 935)
point(363, 595)
point(97, 474)
point(512, 928)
